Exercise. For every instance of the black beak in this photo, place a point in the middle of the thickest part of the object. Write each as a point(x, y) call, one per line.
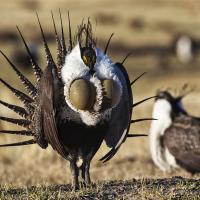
point(91, 66)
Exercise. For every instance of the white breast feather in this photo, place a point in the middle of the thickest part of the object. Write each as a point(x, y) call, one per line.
point(75, 68)
point(161, 111)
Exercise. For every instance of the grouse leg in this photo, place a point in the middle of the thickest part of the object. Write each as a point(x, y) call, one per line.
point(75, 173)
point(87, 173)
point(83, 171)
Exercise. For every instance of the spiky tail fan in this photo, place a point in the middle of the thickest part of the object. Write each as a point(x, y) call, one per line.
point(30, 101)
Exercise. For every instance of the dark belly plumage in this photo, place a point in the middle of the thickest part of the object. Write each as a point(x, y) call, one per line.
point(80, 138)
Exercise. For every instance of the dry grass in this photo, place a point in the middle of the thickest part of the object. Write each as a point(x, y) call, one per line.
point(165, 189)
point(32, 166)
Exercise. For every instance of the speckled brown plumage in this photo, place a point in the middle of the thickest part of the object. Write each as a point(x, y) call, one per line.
point(182, 139)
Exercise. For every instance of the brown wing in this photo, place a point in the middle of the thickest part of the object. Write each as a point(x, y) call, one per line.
point(48, 110)
point(183, 141)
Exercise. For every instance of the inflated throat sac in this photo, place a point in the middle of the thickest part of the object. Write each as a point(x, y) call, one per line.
point(82, 94)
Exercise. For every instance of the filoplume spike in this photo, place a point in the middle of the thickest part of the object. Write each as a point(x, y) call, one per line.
point(37, 70)
point(87, 34)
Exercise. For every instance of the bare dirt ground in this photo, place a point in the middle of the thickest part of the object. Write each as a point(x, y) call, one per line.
point(32, 173)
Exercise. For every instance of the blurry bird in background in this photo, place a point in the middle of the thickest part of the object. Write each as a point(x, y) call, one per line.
point(175, 137)
point(77, 102)
point(185, 47)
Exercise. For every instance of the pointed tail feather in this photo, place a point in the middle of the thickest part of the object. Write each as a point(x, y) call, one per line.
point(28, 85)
point(21, 96)
point(126, 57)
point(37, 70)
point(50, 60)
point(21, 132)
point(137, 78)
point(19, 143)
point(136, 135)
point(17, 109)
point(59, 47)
point(138, 103)
point(20, 122)
point(142, 119)
point(64, 51)
point(109, 155)
point(113, 151)
point(70, 32)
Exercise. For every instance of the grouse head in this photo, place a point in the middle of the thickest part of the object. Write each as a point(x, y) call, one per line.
point(175, 103)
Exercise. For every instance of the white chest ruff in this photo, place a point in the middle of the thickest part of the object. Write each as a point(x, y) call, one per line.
point(161, 112)
point(74, 68)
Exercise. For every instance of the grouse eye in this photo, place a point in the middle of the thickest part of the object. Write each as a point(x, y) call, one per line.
point(82, 94)
point(85, 60)
point(111, 93)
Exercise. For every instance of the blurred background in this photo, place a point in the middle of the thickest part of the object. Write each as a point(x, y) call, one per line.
point(164, 38)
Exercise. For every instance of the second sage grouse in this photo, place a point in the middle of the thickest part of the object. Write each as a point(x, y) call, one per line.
point(76, 103)
point(175, 136)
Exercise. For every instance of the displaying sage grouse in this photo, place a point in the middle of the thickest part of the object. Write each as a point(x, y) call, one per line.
point(77, 103)
point(175, 136)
